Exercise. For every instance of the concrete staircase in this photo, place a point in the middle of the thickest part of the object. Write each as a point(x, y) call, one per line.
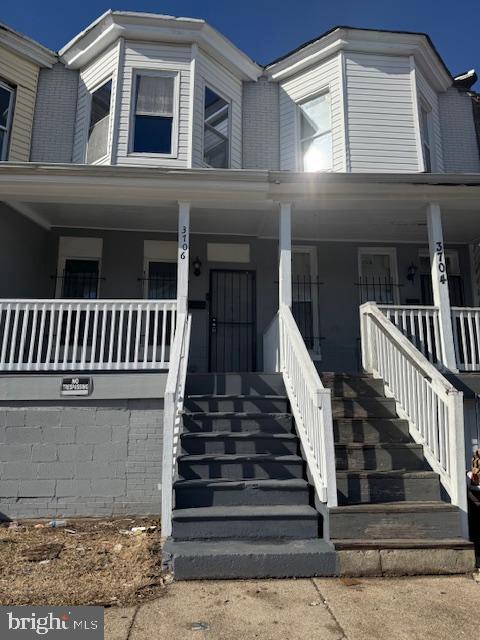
point(391, 506)
point(243, 506)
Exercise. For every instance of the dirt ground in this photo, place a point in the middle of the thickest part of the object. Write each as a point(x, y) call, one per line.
point(88, 561)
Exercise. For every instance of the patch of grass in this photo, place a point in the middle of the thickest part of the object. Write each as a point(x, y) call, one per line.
point(97, 564)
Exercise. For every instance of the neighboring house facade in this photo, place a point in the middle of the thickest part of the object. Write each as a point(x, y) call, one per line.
point(177, 220)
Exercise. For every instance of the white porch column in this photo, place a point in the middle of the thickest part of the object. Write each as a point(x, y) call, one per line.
point(183, 255)
point(441, 296)
point(285, 255)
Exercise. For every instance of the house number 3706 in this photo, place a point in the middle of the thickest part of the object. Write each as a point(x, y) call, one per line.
point(442, 269)
point(183, 243)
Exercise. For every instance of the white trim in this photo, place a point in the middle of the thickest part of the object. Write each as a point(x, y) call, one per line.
point(117, 100)
point(344, 109)
point(11, 89)
point(416, 114)
point(191, 102)
point(228, 252)
point(324, 90)
point(161, 73)
point(26, 47)
point(391, 252)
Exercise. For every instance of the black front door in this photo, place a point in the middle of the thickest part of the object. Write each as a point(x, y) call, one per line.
point(232, 320)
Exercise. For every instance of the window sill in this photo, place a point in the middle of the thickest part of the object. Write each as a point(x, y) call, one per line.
point(160, 156)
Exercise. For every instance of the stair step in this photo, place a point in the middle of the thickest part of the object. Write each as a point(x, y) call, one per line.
point(357, 487)
point(379, 457)
point(225, 492)
point(240, 467)
point(370, 430)
point(236, 404)
point(395, 520)
point(247, 522)
point(238, 422)
point(363, 408)
point(353, 386)
point(234, 559)
point(252, 442)
point(251, 384)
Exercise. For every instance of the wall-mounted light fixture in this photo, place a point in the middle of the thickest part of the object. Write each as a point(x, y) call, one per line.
point(411, 272)
point(197, 266)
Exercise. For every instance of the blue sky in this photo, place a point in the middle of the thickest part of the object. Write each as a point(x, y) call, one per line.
point(266, 29)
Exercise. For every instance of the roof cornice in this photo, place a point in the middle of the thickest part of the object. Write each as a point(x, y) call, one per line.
point(366, 41)
point(26, 47)
point(148, 27)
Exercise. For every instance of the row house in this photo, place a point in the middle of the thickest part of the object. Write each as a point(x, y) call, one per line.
point(244, 297)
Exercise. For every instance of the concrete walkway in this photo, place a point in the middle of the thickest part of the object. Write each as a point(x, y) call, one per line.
point(327, 609)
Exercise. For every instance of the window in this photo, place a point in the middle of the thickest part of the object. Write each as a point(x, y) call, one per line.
point(455, 280)
point(78, 267)
point(425, 115)
point(316, 133)
point(378, 275)
point(7, 96)
point(305, 296)
point(97, 146)
point(154, 114)
point(216, 130)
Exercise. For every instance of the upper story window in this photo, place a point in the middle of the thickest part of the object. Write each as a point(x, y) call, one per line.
point(154, 117)
point(7, 97)
point(316, 133)
point(216, 130)
point(425, 127)
point(97, 145)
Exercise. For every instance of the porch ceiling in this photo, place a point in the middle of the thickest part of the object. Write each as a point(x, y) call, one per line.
point(348, 207)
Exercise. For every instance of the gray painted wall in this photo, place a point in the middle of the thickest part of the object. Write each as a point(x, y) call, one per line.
point(261, 125)
point(80, 459)
point(24, 251)
point(55, 113)
point(460, 147)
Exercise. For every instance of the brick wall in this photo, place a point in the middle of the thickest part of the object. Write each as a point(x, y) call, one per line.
point(459, 141)
point(81, 460)
point(55, 113)
point(261, 125)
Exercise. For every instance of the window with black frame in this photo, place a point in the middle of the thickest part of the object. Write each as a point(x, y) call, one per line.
point(162, 281)
point(455, 281)
point(7, 99)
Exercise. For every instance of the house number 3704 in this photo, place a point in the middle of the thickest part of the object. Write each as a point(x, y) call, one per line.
point(442, 269)
point(183, 243)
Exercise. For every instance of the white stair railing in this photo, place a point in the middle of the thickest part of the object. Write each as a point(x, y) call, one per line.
point(432, 406)
point(172, 415)
point(311, 408)
point(85, 335)
point(466, 337)
point(421, 325)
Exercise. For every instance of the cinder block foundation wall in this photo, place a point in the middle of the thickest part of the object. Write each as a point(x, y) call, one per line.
point(76, 459)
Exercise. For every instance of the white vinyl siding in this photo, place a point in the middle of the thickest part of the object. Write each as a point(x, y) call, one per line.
point(212, 74)
point(430, 98)
point(141, 56)
point(23, 76)
point(91, 78)
point(380, 114)
point(325, 76)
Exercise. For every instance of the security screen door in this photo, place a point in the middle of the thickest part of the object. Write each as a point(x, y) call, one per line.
point(232, 320)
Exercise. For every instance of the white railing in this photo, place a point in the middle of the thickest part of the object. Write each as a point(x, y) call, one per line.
point(173, 407)
point(62, 335)
point(466, 337)
point(432, 406)
point(311, 408)
point(421, 325)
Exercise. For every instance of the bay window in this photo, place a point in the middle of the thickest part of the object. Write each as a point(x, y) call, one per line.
point(316, 133)
point(216, 130)
point(7, 98)
point(97, 145)
point(154, 114)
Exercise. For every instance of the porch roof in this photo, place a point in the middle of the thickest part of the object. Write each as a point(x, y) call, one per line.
point(355, 206)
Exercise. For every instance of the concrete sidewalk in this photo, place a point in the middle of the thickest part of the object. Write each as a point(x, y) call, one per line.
point(328, 609)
